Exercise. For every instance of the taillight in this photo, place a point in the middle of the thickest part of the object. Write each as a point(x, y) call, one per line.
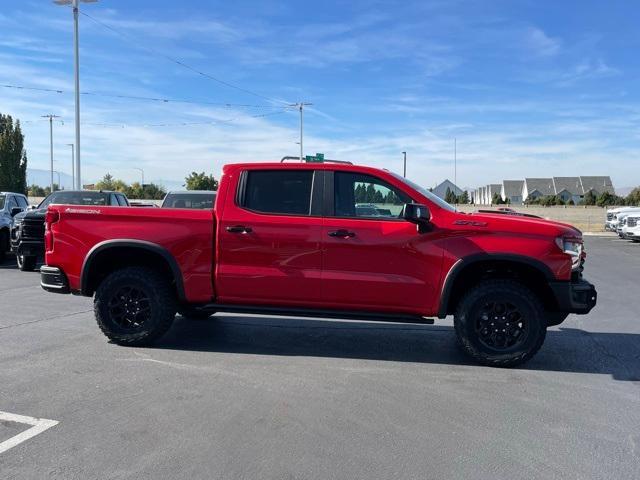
point(51, 217)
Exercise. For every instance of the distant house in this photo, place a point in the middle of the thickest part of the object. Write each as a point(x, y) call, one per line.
point(537, 187)
point(597, 185)
point(568, 188)
point(511, 191)
point(441, 190)
point(492, 189)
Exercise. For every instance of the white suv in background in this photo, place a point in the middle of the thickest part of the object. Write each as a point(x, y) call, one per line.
point(631, 229)
point(618, 215)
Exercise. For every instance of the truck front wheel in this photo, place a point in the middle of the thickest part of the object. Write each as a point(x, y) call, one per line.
point(134, 306)
point(26, 263)
point(500, 323)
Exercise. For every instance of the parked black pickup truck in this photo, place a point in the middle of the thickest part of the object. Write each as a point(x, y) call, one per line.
point(27, 231)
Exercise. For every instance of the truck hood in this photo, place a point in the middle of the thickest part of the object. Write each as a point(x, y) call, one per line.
point(36, 214)
point(517, 223)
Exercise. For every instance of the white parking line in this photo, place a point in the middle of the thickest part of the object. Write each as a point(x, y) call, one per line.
point(38, 425)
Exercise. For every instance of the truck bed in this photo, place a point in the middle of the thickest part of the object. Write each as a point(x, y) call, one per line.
point(187, 235)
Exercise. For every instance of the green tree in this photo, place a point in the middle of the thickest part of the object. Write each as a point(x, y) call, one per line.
point(370, 193)
point(13, 157)
point(36, 191)
point(633, 199)
point(107, 183)
point(606, 199)
point(450, 197)
point(464, 198)
point(497, 199)
point(589, 198)
point(200, 181)
point(154, 192)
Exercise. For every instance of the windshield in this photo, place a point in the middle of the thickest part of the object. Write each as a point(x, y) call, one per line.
point(189, 200)
point(423, 191)
point(2, 198)
point(75, 198)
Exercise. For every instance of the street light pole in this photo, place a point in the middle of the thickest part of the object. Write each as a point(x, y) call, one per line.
point(300, 106)
point(404, 168)
point(76, 41)
point(142, 172)
point(73, 175)
point(76, 68)
point(51, 117)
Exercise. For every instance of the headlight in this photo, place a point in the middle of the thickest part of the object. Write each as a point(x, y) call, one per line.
point(573, 247)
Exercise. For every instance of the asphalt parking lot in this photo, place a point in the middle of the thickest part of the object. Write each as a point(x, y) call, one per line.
point(279, 398)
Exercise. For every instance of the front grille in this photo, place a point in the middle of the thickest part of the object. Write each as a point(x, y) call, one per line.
point(632, 222)
point(32, 229)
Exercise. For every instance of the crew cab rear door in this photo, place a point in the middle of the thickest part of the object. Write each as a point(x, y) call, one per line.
point(373, 258)
point(269, 238)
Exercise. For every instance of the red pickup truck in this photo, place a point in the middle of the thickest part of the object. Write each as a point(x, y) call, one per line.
point(323, 240)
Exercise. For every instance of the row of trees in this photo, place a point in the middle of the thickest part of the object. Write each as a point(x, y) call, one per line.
point(605, 199)
point(368, 194)
point(13, 157)
point(453, 199)
point(135, 190)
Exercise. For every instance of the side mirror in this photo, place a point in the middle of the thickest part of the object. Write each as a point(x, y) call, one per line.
point(416, 213)
point(31, 207)
point(15, 211)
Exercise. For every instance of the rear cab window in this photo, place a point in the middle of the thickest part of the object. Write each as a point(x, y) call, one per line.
point(277, 192)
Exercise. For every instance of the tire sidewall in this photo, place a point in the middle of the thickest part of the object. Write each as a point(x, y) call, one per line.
point(528, 305)
point(146, 281)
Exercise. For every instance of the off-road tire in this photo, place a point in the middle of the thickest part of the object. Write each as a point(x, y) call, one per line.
point(161, 303)
point(555, 318)
point(511, 291)
point(26, 263)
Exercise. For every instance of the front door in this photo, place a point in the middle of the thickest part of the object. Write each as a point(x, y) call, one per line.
point(269, 240)
point(373, 258)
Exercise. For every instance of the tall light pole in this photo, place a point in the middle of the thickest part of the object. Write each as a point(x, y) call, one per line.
point(51, 117)
point(74, 4)
point(59, 186)
point(455, 164)
point(142, 172)
point(300, 106)
point(404, 165)
point(73, 176)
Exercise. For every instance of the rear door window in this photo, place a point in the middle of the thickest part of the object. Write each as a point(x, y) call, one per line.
point(284, 192)
point(22, 202)
point(122, 201)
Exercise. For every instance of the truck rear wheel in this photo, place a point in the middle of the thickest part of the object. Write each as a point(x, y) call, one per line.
point(134, 306)
point(500, 323)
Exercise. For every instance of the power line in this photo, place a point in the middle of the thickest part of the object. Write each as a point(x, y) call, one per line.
point(134, 97)
point(179, 62)
point(176, 124)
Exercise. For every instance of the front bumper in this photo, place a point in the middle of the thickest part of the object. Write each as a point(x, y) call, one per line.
point(52, 279)
point(575, 297)
point(28, 248)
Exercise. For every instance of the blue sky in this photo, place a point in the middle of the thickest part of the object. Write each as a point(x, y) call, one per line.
point(528, 88)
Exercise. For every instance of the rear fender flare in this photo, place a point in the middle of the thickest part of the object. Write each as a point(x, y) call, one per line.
point(130, 243)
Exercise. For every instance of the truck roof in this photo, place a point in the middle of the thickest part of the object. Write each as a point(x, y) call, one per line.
point(301, 166)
